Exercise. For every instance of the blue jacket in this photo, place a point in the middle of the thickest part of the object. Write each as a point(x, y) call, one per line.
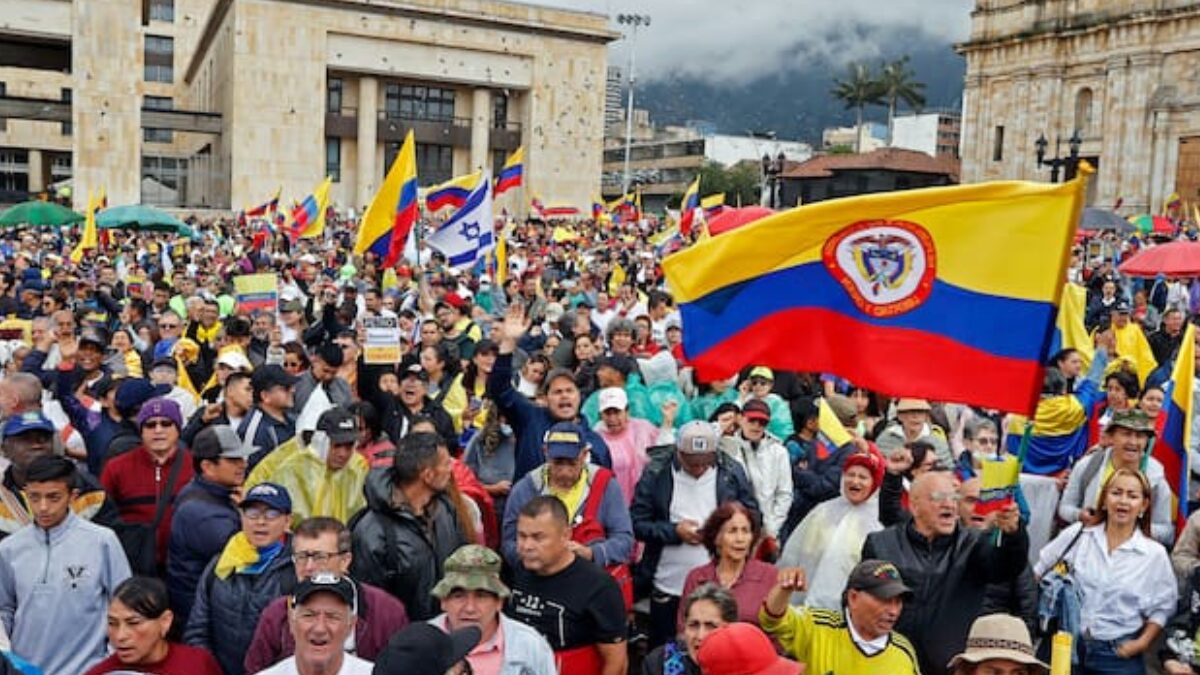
point(203, 521)
point(225, 611)
point(530, 421)
point(613, 515)
point(651, 509)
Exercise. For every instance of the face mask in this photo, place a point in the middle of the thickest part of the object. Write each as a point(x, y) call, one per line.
point(506, 429)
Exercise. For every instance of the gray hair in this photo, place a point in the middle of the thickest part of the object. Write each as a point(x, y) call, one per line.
point(621, 326)
point(972, 429)
point(723, 599)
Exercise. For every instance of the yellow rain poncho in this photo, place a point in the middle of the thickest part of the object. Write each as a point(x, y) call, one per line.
point(315, 489)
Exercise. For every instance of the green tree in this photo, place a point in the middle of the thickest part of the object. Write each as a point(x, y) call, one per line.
point(859, 90)
point(897, 83)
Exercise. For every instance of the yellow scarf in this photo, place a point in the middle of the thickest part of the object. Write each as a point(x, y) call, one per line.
point(571, 498)
point(238, 554)
point(207, 335)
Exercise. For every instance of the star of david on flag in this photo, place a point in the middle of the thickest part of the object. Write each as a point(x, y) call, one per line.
point(468, 234)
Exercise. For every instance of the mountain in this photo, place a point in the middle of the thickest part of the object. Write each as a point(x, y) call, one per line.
point(794, 103)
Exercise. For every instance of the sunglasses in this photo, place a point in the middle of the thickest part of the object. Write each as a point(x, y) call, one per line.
point(157, 424)
point(168, 326)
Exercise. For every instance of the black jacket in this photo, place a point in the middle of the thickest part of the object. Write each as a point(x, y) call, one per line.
point(400, 552)
point(651, 508)
point(949, 576)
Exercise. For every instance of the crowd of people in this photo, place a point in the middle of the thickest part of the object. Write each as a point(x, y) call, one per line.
point(542, 484)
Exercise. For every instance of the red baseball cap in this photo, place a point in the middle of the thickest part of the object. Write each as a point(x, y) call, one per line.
point(454, 300)
point(743, 649)
point(756, 409)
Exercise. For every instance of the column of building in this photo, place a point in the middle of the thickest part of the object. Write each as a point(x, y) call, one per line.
point(481, 124)
point(369, 176)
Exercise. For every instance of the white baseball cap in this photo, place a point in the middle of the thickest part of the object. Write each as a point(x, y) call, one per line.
point(613, 397)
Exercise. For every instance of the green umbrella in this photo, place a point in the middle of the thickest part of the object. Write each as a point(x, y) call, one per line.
point(39, 213)
point(141, 217)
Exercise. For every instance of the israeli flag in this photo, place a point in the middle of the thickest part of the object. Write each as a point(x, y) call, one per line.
point(469, 233)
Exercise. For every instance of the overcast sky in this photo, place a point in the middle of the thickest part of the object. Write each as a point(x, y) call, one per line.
point(727, 40)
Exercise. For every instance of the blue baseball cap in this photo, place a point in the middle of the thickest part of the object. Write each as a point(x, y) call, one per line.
point(271, 495)
point(564, 440)
point(26, 422)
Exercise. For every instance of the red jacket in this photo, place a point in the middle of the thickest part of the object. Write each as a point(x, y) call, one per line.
point(134, 481)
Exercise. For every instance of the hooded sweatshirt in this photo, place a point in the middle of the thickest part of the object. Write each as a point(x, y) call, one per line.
point(55, 586)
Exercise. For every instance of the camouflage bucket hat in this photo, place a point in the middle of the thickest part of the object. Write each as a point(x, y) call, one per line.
point(1134, 420)
point(474, 568)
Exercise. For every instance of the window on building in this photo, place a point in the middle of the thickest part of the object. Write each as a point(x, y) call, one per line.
point(499, 110)
point(435, 161)
point(498, 159)
point(1083, 111)
point(160, 59)
point(419, 102)
point(153, 135)
point(3, 93)
point(66, 128)
point(998, 144)
point(164, 180)
point(60, 166)
point(333, 158)
point(162, 10)
point(14, 171)
point(333, 96)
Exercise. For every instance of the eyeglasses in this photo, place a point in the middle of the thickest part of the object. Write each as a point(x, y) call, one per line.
point(168, 326)
point(261, 514)
point(157, 424)
point(987, 440)
point(319, 557)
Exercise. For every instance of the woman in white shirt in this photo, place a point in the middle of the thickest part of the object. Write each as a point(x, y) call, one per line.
point(1126, 585)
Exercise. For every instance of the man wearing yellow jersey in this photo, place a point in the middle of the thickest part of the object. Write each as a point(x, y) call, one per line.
point(858, 640)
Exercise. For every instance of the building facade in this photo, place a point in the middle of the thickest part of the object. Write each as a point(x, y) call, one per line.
point(846, 175)
point(1121, 73)
point(663, 163)
point(219, 103)
point(933, 133)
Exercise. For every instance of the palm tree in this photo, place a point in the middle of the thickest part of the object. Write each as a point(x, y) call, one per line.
point(858, 90)
point(897, 84)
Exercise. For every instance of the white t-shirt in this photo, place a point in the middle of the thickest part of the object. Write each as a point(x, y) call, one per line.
point(351, 665)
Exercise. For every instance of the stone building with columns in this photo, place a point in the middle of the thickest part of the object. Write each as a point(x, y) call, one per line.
point(219, 103)
point(1124, 74)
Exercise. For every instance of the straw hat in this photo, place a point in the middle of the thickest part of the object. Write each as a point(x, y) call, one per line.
point(999, 636)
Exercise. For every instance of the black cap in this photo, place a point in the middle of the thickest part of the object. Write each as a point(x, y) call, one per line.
point(423, 649)
point(415, 370)
point(164, 362)
point(339, 424)
point(342, 587)
point(272, 375)
point(880, 578)
point(219, 440)
point(1121, 306)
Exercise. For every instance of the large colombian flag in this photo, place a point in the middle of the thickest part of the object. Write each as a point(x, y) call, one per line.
point(941, 293)
point(1171, 449)
point(393, 210)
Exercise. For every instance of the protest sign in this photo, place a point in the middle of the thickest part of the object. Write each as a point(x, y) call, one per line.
point(383, 340)
point(256, 292)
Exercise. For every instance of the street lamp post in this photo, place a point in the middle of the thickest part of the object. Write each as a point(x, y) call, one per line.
point(1067, 163)
point(772, 172)
point(633, 21)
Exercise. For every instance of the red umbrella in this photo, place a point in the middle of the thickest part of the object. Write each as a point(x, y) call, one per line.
point(731, 219)
point(1176, 259)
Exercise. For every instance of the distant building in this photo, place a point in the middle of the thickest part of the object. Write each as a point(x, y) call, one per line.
point(873, 135)
point(933, 133)
point(663, 167)
point(219, 103)
point(844, 175)
point(1120, 72)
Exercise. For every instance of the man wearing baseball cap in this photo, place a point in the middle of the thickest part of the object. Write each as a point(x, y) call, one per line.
point(205, 512)
point(253, 569)
point(321, 614)
point(914, 423)
point(674, 496)
point(601, 530)
point(326, 476)
point(859, 638)
point(767, 465)
point(272, 421)
point(472, 594)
